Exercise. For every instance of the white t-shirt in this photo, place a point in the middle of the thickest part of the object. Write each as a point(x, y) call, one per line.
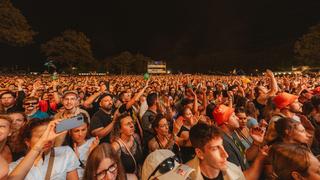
point(65, 160)
point(83, 152)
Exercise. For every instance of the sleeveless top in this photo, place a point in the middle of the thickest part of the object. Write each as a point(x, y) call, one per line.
point(126, 159)
point(187, 153)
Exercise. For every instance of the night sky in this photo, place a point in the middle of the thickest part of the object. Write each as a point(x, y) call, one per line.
point(173, 30)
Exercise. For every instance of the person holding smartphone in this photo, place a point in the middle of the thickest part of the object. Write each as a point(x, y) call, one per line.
point(43, 160)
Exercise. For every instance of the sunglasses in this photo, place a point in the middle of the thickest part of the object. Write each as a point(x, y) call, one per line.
point(28, 104)
point(166, 166)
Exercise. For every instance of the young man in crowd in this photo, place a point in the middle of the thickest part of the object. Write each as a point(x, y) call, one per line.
point(228, 122)
point(70, 101)
point(211, 158)
point(10, 101)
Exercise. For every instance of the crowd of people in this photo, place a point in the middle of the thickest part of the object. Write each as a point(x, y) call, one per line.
point(178, 127)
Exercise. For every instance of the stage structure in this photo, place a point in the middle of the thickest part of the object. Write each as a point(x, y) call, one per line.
point(157, 67)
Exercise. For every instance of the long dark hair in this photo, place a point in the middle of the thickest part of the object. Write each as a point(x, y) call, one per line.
point(101, 152)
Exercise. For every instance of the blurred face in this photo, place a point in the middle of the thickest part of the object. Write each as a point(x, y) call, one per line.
point(213, 155)
point(107, 170)
point(79, 134)
point(296, 107)
point(36, 135)
point(45, 96)
point(233, 122)
point(242, 119)
point(299, 134)
point(17, 121)
point(126, 97)
point(188, 114)
point(127, 126)
point(263, 90)
point(163, 127)
point(4, 129)
point(106, 103)
point(70, 101)
point(7, 100)
point(314, 168)
point(31, 105)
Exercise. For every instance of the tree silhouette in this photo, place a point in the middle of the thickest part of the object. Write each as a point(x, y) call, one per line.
point(14, 28)
point(307, 48)
point(70, 49)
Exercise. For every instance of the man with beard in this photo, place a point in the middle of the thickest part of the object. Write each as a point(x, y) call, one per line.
point(102, 121)
point(70, 102)
point(287, 106)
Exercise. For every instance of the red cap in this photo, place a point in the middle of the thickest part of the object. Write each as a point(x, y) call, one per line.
point(316, 90)
point(222, 114)
point(284, 99)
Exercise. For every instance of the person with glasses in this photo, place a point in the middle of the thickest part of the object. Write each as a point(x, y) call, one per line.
point(162, 164)
point(104, 164)
point(32, 110)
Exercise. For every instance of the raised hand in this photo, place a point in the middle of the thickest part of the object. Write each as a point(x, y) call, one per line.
point(94, 144)
point(257, 134)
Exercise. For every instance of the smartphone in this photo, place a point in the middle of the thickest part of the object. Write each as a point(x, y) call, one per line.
point(71, 123)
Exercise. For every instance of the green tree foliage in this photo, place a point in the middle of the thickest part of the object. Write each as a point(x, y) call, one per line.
point(70, 49)
point(127, 62)
point(307, 48)
point(14, 28)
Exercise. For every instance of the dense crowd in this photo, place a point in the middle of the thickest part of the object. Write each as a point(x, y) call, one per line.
point(177, 127)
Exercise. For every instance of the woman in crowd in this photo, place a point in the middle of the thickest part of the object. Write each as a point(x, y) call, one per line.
point(163, 138)
point(294, 162)
point(82, 143)
point(290, 131)
point(181, 130)
point(48, 162)
point(16, 145)
point(104, 164)
point(5, 132)
point(127, 145)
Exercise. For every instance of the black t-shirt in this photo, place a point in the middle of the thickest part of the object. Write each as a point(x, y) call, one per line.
point(219, 177)
point(101, 119)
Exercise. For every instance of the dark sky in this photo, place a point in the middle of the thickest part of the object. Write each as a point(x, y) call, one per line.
point(171, 30)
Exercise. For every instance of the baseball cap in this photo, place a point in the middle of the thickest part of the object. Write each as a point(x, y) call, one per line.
point(222, 114)
point(284, 99)
point(103, 96)
point(161, 164)
point(70, 92)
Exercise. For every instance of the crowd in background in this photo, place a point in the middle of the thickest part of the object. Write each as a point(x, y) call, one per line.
point(195, 127)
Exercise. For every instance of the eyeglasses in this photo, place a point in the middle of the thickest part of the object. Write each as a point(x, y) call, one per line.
point(166, 166)
point(28, 104)
point(112, 169)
